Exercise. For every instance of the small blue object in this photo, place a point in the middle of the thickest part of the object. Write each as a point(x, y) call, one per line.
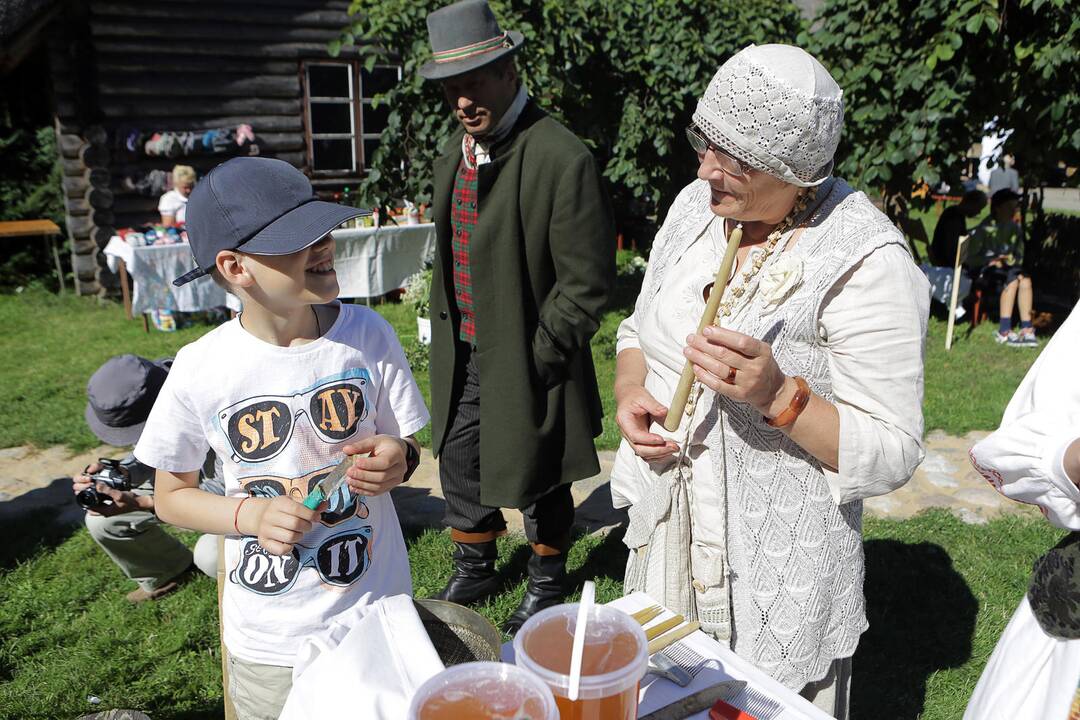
point(314, 498)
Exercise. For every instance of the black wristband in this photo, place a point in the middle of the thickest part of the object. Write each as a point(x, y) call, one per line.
point(412, 460)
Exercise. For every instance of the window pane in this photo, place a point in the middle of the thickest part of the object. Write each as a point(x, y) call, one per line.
point(328, 81)
point(379, 80)
point(369, 150)
point(331, 118)
point(375, 118)
point(332, 154)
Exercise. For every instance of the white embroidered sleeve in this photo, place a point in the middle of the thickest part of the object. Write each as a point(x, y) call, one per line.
point(874, 322)
point(1024, 458)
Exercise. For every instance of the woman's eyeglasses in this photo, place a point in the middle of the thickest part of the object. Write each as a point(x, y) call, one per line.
point(701, 144)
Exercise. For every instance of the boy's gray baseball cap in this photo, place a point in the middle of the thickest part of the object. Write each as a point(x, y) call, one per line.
point(256, 205)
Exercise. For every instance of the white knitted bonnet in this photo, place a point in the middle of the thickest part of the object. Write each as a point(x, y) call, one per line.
point(776, 108)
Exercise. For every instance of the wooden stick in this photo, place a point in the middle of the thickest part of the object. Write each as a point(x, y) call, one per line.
point(662, 627)
point(955, 292)
point(674, 636)
point(686, 381)
point(230, 710)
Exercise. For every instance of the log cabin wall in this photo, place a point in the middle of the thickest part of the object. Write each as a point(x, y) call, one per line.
point(121, 66)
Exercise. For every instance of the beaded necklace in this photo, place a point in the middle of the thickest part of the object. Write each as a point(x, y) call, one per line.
point(788, 223)
point(726, 307)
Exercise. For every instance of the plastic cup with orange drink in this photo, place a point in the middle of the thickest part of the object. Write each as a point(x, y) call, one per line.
point(614, 660)
point(483, 691)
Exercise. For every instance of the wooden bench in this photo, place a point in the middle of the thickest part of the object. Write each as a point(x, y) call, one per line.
point(37, 228)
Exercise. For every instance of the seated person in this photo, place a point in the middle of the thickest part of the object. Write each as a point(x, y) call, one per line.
point(173, 204)
point(952, 225)
point(121, 393)
point(995, 254)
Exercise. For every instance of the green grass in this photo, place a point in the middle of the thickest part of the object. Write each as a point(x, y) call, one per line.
point(968, 387)
point(50, 345)
point(938, 600)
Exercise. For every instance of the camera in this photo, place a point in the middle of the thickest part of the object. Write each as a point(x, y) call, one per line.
point(113, 474)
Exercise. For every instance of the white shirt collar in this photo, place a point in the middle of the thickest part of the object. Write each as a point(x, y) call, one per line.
point(506, 124)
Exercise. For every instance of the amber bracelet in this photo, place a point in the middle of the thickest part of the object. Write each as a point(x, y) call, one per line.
point(794, 408)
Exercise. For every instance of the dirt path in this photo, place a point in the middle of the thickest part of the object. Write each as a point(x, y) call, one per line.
point(31, 478)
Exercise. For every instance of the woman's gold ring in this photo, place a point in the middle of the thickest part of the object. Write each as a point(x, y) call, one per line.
point(730, 379)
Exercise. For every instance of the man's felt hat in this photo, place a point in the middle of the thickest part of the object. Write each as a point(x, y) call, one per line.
point(466, 36)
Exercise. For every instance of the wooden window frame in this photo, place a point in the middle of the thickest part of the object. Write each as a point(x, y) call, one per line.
point(355, 110)
point(365, 101)
point(357, 103)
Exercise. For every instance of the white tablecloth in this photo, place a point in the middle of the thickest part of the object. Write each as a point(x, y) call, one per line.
point(374, 261)
point(154, 267)
point(369, 262)
point(724, 665)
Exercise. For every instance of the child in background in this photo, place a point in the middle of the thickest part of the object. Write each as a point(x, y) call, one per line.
point(996, 251)
point(282, 393)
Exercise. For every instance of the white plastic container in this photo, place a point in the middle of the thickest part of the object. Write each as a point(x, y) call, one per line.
point(483, 691)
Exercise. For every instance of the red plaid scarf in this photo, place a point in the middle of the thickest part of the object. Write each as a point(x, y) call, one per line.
point(463, 217)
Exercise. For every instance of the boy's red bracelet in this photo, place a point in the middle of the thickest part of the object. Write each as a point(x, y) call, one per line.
point(236, 515)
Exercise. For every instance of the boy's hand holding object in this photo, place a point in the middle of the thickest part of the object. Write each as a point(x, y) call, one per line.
point(280, 522)
point(380, 464)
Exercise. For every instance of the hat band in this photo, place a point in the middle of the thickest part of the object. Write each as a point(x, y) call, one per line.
point(468, 51)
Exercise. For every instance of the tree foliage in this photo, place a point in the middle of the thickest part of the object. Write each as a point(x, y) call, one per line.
point(30, 189)
point(624, 75)
point(922, 78)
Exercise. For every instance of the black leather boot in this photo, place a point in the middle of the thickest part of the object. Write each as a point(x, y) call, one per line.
point(547, 576)
point(474, 576)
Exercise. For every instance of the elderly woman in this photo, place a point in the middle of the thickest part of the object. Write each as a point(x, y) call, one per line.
point(807, 397)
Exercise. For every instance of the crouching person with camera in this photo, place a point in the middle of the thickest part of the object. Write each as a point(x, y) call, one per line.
point(118, 495)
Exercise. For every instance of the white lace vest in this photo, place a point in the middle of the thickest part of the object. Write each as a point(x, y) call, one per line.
point(796, 558)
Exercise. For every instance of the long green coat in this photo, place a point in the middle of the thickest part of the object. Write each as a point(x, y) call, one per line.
point(543, 262)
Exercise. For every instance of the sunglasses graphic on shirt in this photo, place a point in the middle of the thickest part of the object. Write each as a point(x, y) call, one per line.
point(341, 506)
point(340, 561)
point(258, 428)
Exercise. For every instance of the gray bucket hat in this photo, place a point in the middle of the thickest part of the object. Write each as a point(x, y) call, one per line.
point(466, 36)
point(120, 395)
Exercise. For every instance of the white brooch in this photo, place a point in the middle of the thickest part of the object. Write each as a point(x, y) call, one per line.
point(780, 279)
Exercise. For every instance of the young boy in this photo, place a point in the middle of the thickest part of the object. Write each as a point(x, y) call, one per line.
point(282, 393)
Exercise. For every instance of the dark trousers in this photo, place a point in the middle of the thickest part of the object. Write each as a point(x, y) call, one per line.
point(547, 521)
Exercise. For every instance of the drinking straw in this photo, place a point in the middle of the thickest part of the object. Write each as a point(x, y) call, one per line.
point(588, 595)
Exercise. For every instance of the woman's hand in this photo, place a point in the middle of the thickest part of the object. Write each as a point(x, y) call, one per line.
point(1072, 461)
point(636, 410)
point(757, 380)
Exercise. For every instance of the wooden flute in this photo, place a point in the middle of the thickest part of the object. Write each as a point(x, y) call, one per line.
point(686, 380)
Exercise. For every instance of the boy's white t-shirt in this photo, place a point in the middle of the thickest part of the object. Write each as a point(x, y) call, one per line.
point(278, 418)
point(173, 203)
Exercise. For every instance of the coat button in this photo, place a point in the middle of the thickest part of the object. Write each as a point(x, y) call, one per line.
point(472, 206)
point(442, 315)
point(699, 586)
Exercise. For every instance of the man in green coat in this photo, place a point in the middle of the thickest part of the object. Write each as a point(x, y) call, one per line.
point(525, 261)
